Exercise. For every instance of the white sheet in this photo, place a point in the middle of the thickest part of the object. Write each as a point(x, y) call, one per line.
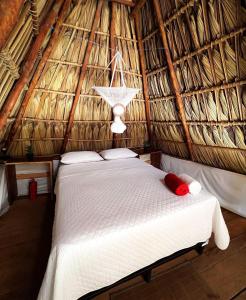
point(115, 217)
point(228, 187)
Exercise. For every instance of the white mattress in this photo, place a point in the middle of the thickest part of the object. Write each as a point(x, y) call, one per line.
point(115, 217)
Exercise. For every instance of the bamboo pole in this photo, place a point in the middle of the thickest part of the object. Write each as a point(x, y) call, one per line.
point(173, 17)
point(29, 64)
point(174, 79)
point(144, 77)
point(202, 91)
point(204, 146)
point(207, 46)
point(9, 12)
point(38, 72)
point(82, 75)
point(99, 32)
point(68, 63)
point(206, 123)
point(73, 94)
point(38, 120)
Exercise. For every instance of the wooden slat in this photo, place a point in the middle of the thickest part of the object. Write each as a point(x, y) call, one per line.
point(29, 64)
point(174, 79)
point(82, 75)
point(143, 70)
point(32, 175)
point(37, 74)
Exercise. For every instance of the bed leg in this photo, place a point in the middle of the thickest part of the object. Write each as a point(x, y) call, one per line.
point(147, 276)
point(199, 249)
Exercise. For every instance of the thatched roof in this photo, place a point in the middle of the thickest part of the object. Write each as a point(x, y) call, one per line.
point(187, 57)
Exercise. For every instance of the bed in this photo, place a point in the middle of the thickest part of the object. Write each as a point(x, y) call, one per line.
point(113, 218)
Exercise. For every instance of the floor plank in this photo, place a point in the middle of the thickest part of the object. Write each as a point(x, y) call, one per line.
point(25, 237)
point(180, 283)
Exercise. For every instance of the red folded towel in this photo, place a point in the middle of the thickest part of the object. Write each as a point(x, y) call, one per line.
point(176, 185)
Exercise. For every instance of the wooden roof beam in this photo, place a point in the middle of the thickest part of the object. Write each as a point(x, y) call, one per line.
point(143, 70)
point(124, 2)
point(38, 73)
point(137, 7)
point(9, 12)
point(29, 63)
point(174, 78)
point(82, 74)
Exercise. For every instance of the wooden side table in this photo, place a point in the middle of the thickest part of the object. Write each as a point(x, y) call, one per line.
point(12, 177)
point(153, 158)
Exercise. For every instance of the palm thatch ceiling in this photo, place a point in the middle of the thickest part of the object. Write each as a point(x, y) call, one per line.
point(187, 57)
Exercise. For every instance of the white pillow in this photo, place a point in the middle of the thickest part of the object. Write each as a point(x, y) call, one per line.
point(80, 157)
point(117, 153)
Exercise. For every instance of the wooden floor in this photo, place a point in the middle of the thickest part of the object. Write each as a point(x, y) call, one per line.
point(25, 235)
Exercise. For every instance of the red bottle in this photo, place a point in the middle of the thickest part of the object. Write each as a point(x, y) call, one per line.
point(33, 189)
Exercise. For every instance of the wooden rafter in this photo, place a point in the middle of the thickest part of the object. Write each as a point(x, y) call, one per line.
point(29, 64)
point(173, 75)
point(38, 72)
point(9, 12)
point(82, 75)
point(143, 70)
point(137, 7)
point(201, 49)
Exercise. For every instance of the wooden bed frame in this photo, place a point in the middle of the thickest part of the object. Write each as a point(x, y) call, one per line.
point(146, 271)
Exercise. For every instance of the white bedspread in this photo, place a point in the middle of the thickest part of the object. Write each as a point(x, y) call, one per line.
point(115, 217)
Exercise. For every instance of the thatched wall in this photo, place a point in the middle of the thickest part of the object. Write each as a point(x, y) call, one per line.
point(14, 52)
point(207, 41)
point(46, 117)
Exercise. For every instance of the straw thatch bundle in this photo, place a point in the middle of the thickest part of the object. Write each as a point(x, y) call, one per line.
point(187, 33)
point(14, 51)
point(207, 44)
point(47, 113)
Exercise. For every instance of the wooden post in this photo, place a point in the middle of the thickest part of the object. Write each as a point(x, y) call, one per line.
point(82, 74)
point(29, 64)
point(137, 7)
point(112, 52)
point(143, 71)
point(174, 79)
point(37, 73)
point(9, 12)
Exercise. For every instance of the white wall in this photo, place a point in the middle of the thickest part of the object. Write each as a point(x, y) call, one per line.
point(228, 187)
point(43, 183)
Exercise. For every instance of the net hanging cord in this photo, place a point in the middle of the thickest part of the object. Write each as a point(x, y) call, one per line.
point(118, 60)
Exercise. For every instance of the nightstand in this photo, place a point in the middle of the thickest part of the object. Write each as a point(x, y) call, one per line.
point(12, 177)
point(153, 158)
